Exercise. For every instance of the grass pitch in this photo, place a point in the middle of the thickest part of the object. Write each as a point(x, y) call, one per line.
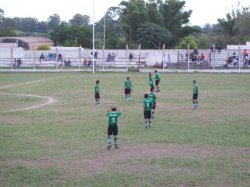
point(64, 142)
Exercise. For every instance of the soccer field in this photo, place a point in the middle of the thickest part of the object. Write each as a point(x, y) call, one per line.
point(53, 134)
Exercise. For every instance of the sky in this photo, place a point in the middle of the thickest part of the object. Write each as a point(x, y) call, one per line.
point(204, 11)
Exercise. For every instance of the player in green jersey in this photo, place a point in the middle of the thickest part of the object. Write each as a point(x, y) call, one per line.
point(157, 81)
point(150, 81)
point(195, 94)
point(147, 105)
point(113, 115)
point(153, 97)
point(128, 88)
point(97, 93)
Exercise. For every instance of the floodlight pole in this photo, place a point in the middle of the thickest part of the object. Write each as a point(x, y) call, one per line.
point(93, 52)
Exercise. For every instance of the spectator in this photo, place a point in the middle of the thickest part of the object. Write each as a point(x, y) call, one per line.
point(245, 57)
point(60, 57)
point(219, 49)
point(95, 55)
point(19, 62)
point(235, 59)
point(41, 57)
point(85, 62)
point(113, 57)
point(109, 57)
point(130, 57)
point(211, 48)
point(201, 57)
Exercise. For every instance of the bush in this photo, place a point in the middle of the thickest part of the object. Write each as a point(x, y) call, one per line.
point(43, 47)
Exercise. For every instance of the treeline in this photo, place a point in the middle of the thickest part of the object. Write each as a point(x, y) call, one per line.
point(150, 23)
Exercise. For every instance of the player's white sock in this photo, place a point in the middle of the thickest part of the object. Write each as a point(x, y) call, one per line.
point(109, 140)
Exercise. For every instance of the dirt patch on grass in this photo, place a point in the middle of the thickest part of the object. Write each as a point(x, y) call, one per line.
point(106, 158)
point(13, 120)
point(135, 158)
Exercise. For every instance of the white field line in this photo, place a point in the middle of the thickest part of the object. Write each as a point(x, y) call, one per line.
point(24, 83)
point(50, 100)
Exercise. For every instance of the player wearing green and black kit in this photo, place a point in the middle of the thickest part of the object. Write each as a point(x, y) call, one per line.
point(150, 81)
point(147, 105)
point(157, 81)
point(113, 125)
point(195, 94)
point(128, 88)
point(97, 93)
point(152, 96)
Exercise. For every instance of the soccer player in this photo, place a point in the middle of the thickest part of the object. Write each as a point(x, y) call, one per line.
point(147, 105)
point(113, 115)
point(157, 81)
point(150, 81)
point(195, 94)
point(97, 93)
point(152, 96)
point(128, 88)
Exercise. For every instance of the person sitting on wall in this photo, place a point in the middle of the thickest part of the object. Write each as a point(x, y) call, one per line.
point(19, 62)
point(201, 57)
point(41, 57)
point(130, 57)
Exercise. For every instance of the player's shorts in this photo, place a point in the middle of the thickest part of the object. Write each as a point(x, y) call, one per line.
point(147, 114)
point(127, 91)
point(153, 107)
point(152, 86)
point(157, 82)
point(113, 130)
point(195, 96)
point(97, 95)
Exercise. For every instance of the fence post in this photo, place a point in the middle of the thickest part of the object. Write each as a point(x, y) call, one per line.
point(33, 53)
point(177, 63)
point(239, 55)
point(214, 57)
point(103, 50)
point(11, 57)
point(127, 57)
point(163, 57)
point(188, 57)
point(140, 56)
point(79, 56)
point(56, 57)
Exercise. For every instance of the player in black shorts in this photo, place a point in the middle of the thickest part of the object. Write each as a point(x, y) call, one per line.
point(195, 94)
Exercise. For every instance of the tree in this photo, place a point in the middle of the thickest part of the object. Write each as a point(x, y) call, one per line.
point(175, 19)
point(153, 10)
point(134, 13)
point(53, 21)
point(7, 27)
point(151, 35)
point(26, 24)
point(73, 35)
point(183, 44)
point(80, 19)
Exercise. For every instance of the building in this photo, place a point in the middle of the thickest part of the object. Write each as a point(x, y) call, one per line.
point(27, 43)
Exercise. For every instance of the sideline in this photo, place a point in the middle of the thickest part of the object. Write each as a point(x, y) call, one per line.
point(50, 100)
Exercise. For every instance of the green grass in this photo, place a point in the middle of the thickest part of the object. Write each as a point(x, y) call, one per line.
point(64, 144)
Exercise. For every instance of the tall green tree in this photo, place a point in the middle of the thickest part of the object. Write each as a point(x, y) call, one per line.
point(80, 19)
point(72, 35)
point(152, 36)
point(7, 27)
point(134, 13)
point(175, 18)
point(53, 21)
